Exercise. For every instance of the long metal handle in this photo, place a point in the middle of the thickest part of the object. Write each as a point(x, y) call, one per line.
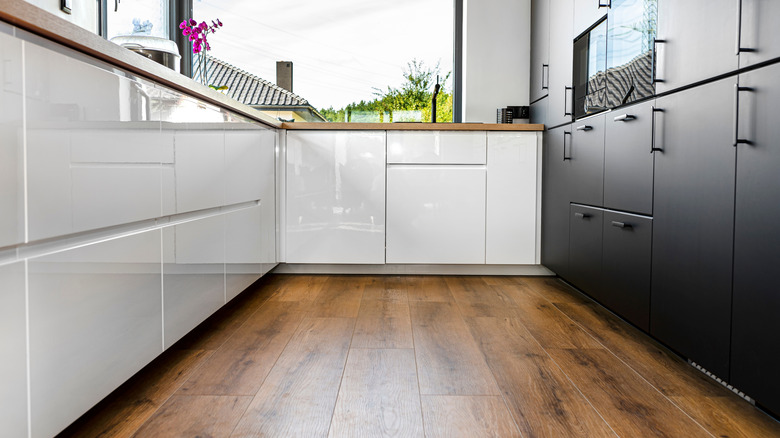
point(739, 27)
point(584, 128)
point(620, 224)
point(735, 120)
point(653, 148)
point(608, 4)
point(625, 118)
point(566, 157)
point(655, 60)
point(582, 215)
point(566, 101)
point(545, 83)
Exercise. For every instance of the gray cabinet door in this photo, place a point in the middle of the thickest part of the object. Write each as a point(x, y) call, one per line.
point(628, 161)
point(626, 266)
point(540, 49)
point(539, 111)
point(587, 161)
point(555, 201)
point(759, 38)
point(586, 14)
point(755, 351)
point(693, 224)
point(561, 45)
point(585, 227)
point(699, 41)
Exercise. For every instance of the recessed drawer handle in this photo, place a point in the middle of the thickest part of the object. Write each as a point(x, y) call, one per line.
point(620, 224)
point(625, 118)
point(582, 215)
point(584, 128)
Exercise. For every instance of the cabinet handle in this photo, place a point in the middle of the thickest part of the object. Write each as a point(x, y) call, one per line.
point(584, 128)
point(608, 4)
point(545, 83)
point(566, 157)
point(735, 121)
point(625, 118)
point(655, 60)
point(620, 224)
point(566, 101)
point(739, 48)
point(653, 147)
point(582, 215)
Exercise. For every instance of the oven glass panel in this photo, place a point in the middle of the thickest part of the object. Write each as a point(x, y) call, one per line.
point(632, 28)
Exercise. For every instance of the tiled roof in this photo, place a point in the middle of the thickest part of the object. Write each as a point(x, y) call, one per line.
point(246, 87)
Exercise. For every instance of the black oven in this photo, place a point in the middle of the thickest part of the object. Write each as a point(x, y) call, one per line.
point(613, 60)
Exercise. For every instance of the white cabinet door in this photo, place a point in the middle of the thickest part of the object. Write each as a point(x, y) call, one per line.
point(335, 197)
point(436, 147)
point(13, 350)
point(436, 214)
point(512, 187)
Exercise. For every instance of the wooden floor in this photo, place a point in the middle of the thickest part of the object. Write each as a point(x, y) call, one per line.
point(316, 356)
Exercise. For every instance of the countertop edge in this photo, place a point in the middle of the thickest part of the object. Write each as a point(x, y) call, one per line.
point(413, 126)
point(30, 18)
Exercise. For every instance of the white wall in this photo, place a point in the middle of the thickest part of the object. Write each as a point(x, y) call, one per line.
point(496, 56)
point(84, 12)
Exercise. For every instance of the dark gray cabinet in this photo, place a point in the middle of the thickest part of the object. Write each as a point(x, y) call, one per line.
point(585, 227)
point(540, 49)
point(625, 272)
point(699, 41)
point(759, 39)
point(693, 220)
point(538, 111)
point(755, 351)
point(555, 201)
point(628, 161)
point(586, 154)
point(560, 70)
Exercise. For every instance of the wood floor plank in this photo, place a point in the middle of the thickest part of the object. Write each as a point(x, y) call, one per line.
point(383, 324)
point(549, 326)
point(339, 297)
point(630, 405)
point(728, 416)
point(476, 298)
point(428, 288)
point(378, 396)
point(467, 416)
point(126, 409)
point(542, 400)
point(553, 289)
point(299, 394)
point(301, 288)
point(242, 363)
point(195, 416)
point(448, 360)
point(386, 288)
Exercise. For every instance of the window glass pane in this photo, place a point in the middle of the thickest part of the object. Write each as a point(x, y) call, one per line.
point(343, 52)
point(148, 17)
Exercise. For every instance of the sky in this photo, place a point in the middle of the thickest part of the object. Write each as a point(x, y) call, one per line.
point(340, 49)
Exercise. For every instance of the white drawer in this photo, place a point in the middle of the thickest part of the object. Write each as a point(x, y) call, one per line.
point(436, 147)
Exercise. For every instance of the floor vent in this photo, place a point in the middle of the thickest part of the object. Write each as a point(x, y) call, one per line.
point(722, 382)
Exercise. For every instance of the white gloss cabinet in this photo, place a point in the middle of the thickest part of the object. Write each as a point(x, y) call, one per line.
point(512, 194)
point(436, 214)
point(13, 351)
point(94, 321)
point(11, 175)
point(436, 147)
point(335, 199)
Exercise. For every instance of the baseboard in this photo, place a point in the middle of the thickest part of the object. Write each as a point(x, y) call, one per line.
point(295, 268)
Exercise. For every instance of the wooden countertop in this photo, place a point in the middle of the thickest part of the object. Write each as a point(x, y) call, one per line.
point(25, 16)
point(414, 126)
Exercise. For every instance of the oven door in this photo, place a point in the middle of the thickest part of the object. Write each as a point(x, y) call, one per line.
point(589, 74)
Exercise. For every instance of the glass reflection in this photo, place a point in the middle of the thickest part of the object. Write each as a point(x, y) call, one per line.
point(632, 30)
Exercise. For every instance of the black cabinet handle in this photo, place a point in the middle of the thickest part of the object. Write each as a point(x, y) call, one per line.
point(582, 215)
point(625, 118)
point(584, 128)
point(620, 224)
point(545, 83)
point(739, 48)
point(566, 157)
point(653, 147)
point(655, 60)
point(608, 4)
point(566, 102)
point(735, 121)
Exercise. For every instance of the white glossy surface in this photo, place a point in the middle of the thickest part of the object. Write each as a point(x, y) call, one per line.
point(335, 197)
point(511, 199)
point(436, 214)
point(245, 251)
point(193, 274)
point(199, 169)
point(436, 147)
point(11, 176)
point(13, 349)
point(95, 317)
